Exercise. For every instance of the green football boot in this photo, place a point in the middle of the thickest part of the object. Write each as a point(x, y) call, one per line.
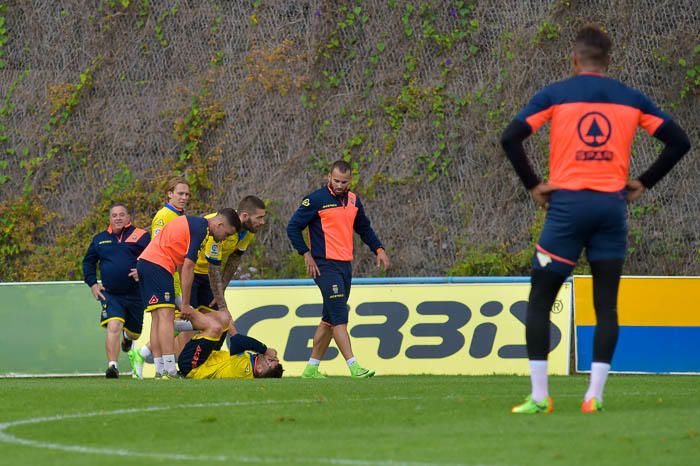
point(530, 407)
point(311, 372)
point(136, 362)
point(359, 372)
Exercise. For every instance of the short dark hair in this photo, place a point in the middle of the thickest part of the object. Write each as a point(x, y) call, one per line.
point(231, 217)
point(342, 166)
point(271, 373)
point(250, 204)
point(119, 204)
point(592, 46)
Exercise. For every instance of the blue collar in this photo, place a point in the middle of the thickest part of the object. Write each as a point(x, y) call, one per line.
point(174, 209)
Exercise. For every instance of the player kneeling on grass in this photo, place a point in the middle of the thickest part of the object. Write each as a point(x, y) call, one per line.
point(247, 357)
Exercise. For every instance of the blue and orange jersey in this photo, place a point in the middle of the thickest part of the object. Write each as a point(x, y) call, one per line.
point(166, 214)
point(331, 220)
point(181, 238)
point(116, 254)
point(593, 123)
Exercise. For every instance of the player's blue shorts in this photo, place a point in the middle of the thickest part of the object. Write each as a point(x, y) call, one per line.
point(128, 308)
point(201, 294)
point(195, 353)
point(157, 286)
point(575, 220)
point(334, 283)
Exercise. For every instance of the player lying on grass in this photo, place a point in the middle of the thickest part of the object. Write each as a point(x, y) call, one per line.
point(247, 357)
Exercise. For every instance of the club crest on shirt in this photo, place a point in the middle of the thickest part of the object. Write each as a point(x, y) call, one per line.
point(335, 289)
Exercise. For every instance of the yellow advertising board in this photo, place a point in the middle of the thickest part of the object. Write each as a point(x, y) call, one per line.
point(407, 329)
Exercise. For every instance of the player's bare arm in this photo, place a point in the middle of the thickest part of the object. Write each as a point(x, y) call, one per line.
point(217, 286)
point(186, 279)
point(230, 268)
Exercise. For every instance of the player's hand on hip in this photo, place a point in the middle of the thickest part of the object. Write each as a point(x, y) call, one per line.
point(311, 267)
point(382, 259)
point(635, 189)
point(541, 193)
point(97, 290)
point(134, 274)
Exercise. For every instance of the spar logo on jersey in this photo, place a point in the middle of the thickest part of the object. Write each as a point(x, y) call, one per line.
point(594, 130)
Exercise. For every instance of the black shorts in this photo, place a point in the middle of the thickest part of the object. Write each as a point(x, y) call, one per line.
point(334, 283)
point(201, 294)
point(195, 353)
point(127, 308)
point(157, 286)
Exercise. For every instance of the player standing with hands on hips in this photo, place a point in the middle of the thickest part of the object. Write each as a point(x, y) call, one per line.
point(331, 214)
point(593, 123)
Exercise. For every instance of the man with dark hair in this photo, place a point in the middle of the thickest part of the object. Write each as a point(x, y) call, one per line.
point(593, 122)
point(331, 214)
point(116, 249)
point(247, 357)
point(206, 295)
point(176, 249)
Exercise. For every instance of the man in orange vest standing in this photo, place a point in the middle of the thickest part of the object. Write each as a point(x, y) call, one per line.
point(331, 214)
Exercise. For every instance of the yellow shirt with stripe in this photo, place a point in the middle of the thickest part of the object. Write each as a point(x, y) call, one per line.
point(162, 218)
point(220, 252)
point(221, 365)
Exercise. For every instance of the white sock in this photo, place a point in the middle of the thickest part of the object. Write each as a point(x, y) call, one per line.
point(599, 374)
point(350, 361)
point(160, 368)
point(169, 363)
point(146, 354)
point(183, 326)
point(314, 362)
point(112, 363)
point(538, 379)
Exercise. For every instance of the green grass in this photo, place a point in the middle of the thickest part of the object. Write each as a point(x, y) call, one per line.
point(386, 420)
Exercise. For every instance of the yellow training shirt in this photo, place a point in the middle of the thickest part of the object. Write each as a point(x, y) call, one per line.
point(221, 365)
point(218, 253)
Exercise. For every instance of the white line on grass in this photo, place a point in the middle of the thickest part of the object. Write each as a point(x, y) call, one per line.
point(12, 439)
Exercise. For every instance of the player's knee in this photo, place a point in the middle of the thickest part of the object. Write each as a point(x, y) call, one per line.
point(114, 326)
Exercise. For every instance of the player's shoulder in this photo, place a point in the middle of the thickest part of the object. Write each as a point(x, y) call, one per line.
point(315, 198)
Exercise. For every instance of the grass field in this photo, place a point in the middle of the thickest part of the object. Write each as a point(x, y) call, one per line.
point(413, 420)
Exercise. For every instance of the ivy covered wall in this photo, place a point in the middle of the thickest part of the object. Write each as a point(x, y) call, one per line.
point(104, 100)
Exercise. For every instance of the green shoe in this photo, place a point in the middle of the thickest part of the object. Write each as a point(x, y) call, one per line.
point(136, 361)
point(311, 372)
point(360, 372)
point(530, 407)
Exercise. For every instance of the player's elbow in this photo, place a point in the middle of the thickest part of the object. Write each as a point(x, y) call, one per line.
point(684, 144)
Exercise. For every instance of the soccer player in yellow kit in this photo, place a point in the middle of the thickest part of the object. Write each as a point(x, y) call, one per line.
point(247, 357)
